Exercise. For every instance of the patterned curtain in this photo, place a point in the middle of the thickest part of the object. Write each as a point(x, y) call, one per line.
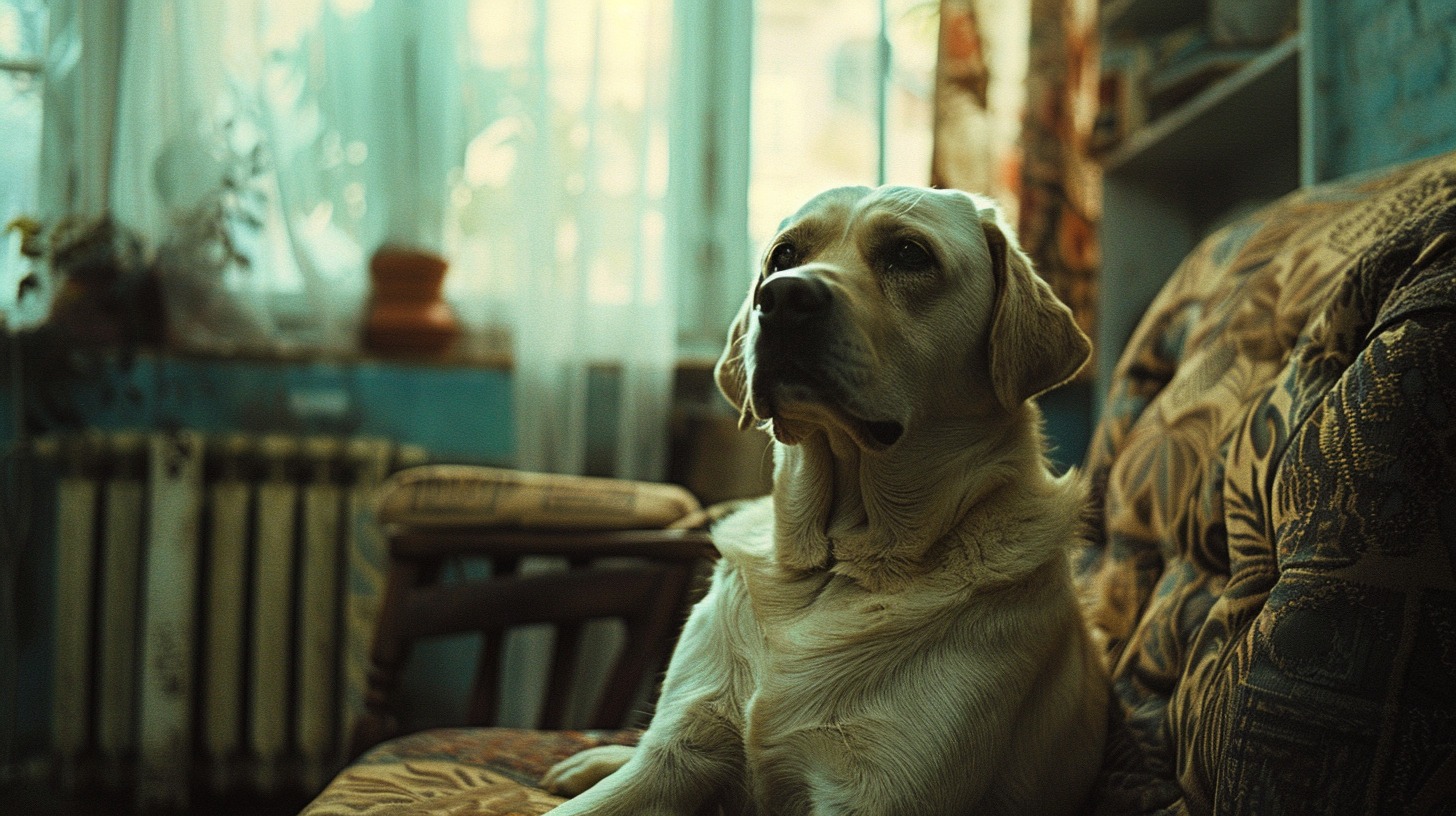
point(978, 95)
point(1061, 194)
point(962, 156)
point(1016, 96)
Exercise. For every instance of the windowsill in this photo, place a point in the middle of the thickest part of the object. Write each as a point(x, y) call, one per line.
point(694, 357)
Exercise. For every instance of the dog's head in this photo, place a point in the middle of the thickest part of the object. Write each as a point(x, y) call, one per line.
point(876, 310)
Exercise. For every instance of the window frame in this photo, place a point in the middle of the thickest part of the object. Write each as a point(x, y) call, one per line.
point(719, 173)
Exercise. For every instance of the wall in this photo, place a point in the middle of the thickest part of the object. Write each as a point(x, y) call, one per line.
point(1386, 70)
point(455, 412)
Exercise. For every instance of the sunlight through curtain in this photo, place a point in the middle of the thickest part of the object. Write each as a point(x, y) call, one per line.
point(589, 204)
point(268, 147)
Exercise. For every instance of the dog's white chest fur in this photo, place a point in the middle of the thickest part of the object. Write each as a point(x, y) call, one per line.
point(827, 667)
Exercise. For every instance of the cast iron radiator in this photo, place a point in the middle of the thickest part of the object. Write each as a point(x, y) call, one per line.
point(215, 597)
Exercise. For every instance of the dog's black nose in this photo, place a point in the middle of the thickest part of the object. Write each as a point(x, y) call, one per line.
point(790, 297)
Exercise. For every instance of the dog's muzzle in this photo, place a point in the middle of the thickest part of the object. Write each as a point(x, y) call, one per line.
point(794, 313)
point(798, 355)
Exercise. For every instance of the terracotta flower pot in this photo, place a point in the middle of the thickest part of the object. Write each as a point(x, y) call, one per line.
point(407, 314)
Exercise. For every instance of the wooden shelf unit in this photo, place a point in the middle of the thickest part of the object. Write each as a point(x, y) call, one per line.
point(1235, 145)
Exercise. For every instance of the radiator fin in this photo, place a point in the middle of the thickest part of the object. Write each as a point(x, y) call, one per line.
point(169, 614)
point(223, 687)
point(121, 575)
point(76, 495)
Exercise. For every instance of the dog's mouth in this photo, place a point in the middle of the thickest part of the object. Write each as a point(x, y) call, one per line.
point(790, 411)
point(884, 432)
point(869, 434)
point(811, 384)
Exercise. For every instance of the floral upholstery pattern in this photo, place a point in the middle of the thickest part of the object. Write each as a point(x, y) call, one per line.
point(1272, 541)
point(475, 771)
point(1275, 500)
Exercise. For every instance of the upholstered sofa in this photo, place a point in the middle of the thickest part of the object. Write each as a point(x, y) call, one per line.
point(1271, 542)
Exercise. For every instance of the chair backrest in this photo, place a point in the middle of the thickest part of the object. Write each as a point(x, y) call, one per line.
point(645, 582)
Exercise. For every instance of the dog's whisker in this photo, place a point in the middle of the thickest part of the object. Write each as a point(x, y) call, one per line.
point(745, 418)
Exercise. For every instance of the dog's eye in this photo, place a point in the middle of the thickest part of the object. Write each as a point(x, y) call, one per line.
point(784, 256)
point(908, 256)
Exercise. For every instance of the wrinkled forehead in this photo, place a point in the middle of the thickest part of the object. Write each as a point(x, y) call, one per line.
point(845, 212)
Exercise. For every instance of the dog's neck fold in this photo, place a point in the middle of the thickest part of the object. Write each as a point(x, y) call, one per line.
point(884, 518)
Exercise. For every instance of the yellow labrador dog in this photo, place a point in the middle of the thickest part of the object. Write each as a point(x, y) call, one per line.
point(894, 631)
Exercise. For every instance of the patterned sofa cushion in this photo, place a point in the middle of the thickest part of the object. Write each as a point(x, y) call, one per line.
point(1275, 482)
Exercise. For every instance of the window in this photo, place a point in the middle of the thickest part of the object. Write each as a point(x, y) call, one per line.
point(838, 92)
point(22, 38)
point(598, 78)
point(842, 95)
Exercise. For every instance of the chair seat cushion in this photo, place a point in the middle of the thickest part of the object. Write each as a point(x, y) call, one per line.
point(480, 771)
point(468, 495)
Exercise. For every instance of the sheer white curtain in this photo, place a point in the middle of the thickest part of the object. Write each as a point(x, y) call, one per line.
point(560, 219)
point(560, 227)
point(525, 140)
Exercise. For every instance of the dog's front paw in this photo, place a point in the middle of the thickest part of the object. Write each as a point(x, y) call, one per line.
point(578, 772)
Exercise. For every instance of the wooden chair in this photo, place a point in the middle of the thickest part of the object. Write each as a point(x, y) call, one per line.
point(648, 592)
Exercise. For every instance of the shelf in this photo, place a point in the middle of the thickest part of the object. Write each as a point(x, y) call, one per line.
point(1150, 16)
point(1245, 110)
point(20, 66)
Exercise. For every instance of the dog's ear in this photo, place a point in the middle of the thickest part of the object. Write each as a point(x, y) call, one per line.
point(1034, 344)
point(730, 373)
